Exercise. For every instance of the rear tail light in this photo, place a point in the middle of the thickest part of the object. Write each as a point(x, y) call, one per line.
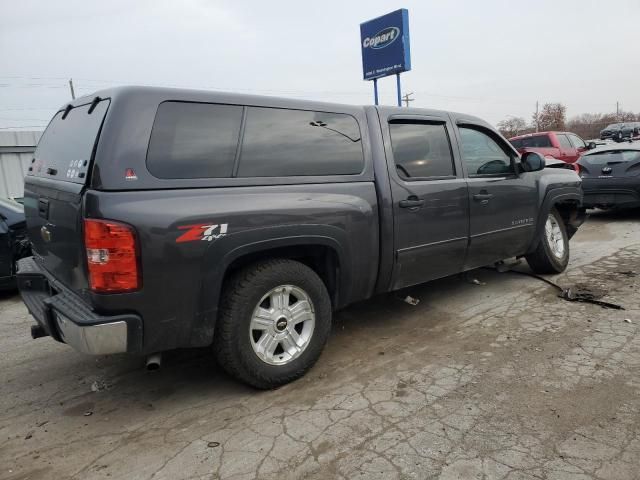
point(111, 256)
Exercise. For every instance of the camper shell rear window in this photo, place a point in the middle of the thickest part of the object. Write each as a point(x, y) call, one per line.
point(66, 147)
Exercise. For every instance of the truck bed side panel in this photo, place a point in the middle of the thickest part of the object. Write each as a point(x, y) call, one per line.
point(183, 270)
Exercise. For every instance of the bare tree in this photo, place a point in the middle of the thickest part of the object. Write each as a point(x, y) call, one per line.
point(552, 117)
point(512, 126)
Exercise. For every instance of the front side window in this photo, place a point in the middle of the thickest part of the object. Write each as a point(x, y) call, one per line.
point(577, 141)
point(421, 150)
point(281, 142)
point(482, 154)
point(194, 140)
point(564, 141)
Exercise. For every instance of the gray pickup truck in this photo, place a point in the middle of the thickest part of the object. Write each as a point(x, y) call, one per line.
point(165, 218)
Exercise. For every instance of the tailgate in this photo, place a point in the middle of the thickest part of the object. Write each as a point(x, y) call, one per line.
point(54, 189)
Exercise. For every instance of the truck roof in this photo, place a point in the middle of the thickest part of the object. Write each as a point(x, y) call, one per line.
point(215, 96)
point(535, 134)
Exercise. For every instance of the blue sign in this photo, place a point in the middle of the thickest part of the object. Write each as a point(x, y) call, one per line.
point(385, 45)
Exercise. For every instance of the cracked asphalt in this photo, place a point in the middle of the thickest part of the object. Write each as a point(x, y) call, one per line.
point(498, 380)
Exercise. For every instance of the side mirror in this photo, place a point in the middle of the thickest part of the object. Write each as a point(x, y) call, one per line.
point(532, 162)
point(591, 145)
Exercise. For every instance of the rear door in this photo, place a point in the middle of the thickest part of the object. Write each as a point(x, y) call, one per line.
point(54, 188)
point(430, 198)
point(502, 204)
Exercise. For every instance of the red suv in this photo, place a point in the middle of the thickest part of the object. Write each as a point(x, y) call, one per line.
point(564, 146)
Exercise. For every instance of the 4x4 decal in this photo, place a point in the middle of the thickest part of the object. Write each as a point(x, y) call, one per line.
point(202, 231)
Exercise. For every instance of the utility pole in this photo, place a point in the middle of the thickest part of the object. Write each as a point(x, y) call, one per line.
point(537, 119)
point(73, 93)
point(618, 111)
point(406, 99)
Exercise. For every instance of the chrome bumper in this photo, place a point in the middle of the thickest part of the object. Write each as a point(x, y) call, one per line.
point(100, 339)
point(68, 318)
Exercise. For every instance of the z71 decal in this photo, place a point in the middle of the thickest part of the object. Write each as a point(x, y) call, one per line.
point(202, 231)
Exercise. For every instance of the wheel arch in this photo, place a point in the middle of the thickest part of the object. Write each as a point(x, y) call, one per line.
point(324, 254)
point(568, 202)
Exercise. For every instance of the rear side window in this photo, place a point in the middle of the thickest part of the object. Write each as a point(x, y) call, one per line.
point(537, 141)
point(194, 140)
point(421, 150)
point(66, 146)
point(280, 142)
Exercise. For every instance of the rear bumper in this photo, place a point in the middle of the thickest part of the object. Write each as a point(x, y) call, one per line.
point(66, 317)
point(611, 193)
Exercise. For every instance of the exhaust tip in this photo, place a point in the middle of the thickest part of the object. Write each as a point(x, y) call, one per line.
point(153, 362)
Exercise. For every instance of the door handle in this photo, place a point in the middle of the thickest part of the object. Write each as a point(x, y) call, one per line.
point(411, 202)
point(483, 196)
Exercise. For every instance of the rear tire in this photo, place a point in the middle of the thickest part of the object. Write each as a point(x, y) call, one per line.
point(274, 322)
point(552, 253)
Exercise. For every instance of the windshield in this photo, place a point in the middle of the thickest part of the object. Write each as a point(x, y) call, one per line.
point(613, 126)
point(65, 149)
point(612, 156)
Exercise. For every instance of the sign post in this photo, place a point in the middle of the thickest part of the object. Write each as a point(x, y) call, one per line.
point(384, 42)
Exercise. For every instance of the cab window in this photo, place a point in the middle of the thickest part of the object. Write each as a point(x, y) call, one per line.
point(421, 150)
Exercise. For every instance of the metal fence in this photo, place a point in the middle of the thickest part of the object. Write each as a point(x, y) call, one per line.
point(16, 152)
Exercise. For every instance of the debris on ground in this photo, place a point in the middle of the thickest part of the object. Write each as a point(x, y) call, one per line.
point(100, 385)
point(628, 320)
point(587, 297)
point(628, 273)
point(411, 300)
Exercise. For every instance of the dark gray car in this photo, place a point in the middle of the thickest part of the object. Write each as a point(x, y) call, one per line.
point(611, 176)
point(167, 218)
point(13, 241)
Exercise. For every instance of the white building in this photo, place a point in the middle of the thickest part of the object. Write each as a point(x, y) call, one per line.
point(16, 152)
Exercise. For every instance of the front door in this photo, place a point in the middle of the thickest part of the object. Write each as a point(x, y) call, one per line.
point(568, 153)
point(502, 203)
point(430, 199)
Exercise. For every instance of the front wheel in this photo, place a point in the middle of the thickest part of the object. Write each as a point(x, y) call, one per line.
point(552, 253)
point(273, 324)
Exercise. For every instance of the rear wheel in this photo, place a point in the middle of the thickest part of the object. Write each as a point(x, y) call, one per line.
point(552, 253)
point(273, 324)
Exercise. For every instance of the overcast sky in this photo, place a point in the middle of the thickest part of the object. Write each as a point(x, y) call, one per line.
point(489, 58)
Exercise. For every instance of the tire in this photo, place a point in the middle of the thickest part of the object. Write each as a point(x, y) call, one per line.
point(548, 258)
point(265, 295)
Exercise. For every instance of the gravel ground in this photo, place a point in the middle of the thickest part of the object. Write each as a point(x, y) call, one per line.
point(498, 380)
